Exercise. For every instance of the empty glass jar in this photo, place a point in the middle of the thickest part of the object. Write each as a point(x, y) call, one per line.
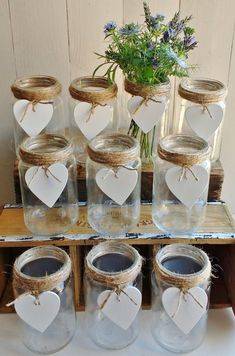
point(93, 111)
point(42, 282)
point(38, 109)
point(47, 170)
point(202, 111)
point(113, 183)
point(147, 108)
point(113, 277)
point(180, 297)
point(180, 184)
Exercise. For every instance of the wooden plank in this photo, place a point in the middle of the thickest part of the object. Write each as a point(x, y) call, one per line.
point(7, 75)
point(74, 252)
point(218, 228)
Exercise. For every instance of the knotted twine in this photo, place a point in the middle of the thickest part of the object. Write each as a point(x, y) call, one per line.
point(184, 151)
point(202, 91)
point(24, 284)
point(148, 92)
point(80, 89)
point(182, 281)
point(44, 150)
point(114, 280)
point(36, 89)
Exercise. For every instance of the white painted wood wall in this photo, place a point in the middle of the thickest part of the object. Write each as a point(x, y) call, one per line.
point(58, 37)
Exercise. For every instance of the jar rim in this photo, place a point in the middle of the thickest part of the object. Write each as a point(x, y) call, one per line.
point(202, 90)
point(147, 90)
point(36, 88)
point(127, 149)
point(118, 277)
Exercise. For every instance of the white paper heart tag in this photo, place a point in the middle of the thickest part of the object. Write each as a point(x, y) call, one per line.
point(47, 183)
point(204, 120)
point(121, 308)
point(91, 120)
point(146, 114)
point(185, 309)
point(38, 313)
point(189, 187)
point(33, 118)
point(117, 185)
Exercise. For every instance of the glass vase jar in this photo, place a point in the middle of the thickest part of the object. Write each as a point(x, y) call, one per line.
point(47, 171)
point(38, 107)
point(113, 184)
point(180, 297)
point(180, 184)
point(113, 278)
point(202, 111)
point(148, 114)
point(93, 111)
point(43, 289)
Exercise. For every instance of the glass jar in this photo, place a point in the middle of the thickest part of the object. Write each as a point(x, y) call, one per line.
point(112, 276)
point(180, 290)
point(180, 184)
point(148, 115)
point(38, 107)
point(113, 177)
point(47, 171)
point(202, 111)
point(42, 276)
point(93, 111)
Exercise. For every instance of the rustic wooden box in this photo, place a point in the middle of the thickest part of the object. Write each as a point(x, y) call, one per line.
point(216, 236)
point(215, 187)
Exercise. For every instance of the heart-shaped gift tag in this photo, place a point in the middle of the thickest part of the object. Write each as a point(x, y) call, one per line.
point(92, 121)
point(47, 183)
point(192, 185)
point(185, 309)
point(148, 114)
point(32, 118)
point(121, 308)
point(39, 315)
point(204, 121)
point(117, 185)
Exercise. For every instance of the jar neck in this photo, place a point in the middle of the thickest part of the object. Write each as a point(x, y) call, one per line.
point(43, 150)
point(202, 91)
point(183, 150)
point(36, 88)
point(117, 278)
point(95, 90)
point(180, 280)
point(147, 91)
point(114, 149)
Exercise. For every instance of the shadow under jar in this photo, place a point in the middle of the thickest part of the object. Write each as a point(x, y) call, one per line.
point(180, 297)
point(113, 184)
point(180, 184)
point(93, 111)
point(112, 277)
point(44, 274)
point(202, 111)
point(47, 170)
point(39, 108)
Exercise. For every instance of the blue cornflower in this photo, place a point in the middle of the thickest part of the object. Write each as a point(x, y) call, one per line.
point(129, 29)
point(155, 21)
point(172, 55)
point(155, 63)
point(109, 26)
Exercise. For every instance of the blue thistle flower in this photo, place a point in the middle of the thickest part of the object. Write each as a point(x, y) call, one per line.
point(109, 26)
point(129, 29)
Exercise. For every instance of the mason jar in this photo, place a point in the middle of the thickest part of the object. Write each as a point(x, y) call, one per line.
point(202, 111)
point(38, 107)
point(180, 184)
point(93, 111)
point(147, 108)
point(112, 287)
point(113, 177)
point(47, 171)
point(42, 284)
point(180, 297)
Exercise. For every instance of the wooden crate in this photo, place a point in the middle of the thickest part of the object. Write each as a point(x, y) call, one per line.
point(215, 186)
point(216, 236)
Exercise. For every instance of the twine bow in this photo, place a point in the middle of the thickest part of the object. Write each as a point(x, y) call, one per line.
point(118, 291)
point(184, 173)
point(144, 101)
point(46, 171)
point(92, 109)
point(183, 294)
point(33, 103)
